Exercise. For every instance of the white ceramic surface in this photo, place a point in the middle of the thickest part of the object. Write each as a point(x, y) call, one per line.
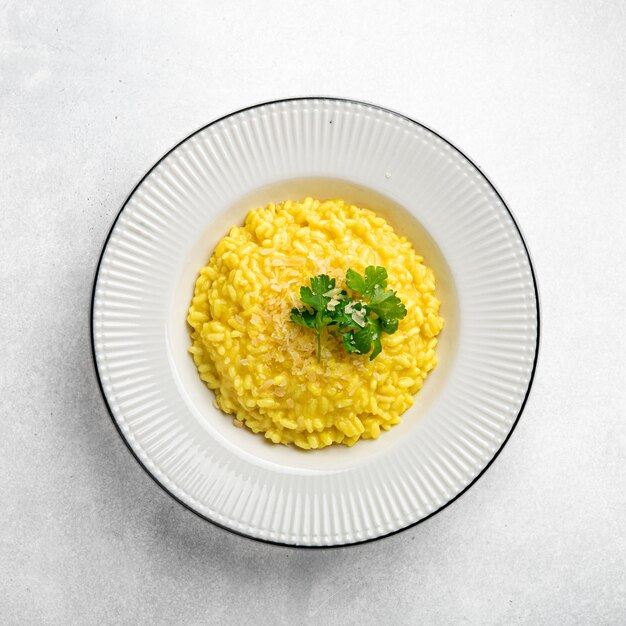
point(428, 190)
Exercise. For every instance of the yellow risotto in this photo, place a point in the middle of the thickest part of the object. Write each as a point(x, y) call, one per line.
point(264, 368)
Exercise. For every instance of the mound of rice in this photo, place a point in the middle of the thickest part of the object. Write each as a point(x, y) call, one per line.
point(263, 368)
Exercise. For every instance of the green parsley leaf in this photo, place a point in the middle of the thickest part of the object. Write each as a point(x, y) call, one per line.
point(348, 341)
point(355, 281)
point(360, 341)
point(390, 311)
point(376, 331)
point(314, 297)
point(303, 317)
point(375, 279)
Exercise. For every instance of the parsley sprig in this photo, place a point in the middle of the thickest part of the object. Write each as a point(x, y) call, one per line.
point(361, 321)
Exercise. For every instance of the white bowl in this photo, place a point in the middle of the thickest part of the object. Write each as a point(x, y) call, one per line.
point(429, 191)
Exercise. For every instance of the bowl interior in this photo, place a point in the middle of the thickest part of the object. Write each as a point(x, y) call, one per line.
point(199, 399)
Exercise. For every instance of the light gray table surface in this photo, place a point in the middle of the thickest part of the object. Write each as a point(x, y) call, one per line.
point(91, 94)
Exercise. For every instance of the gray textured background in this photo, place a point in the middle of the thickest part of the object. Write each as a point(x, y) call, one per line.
point(91, 96)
